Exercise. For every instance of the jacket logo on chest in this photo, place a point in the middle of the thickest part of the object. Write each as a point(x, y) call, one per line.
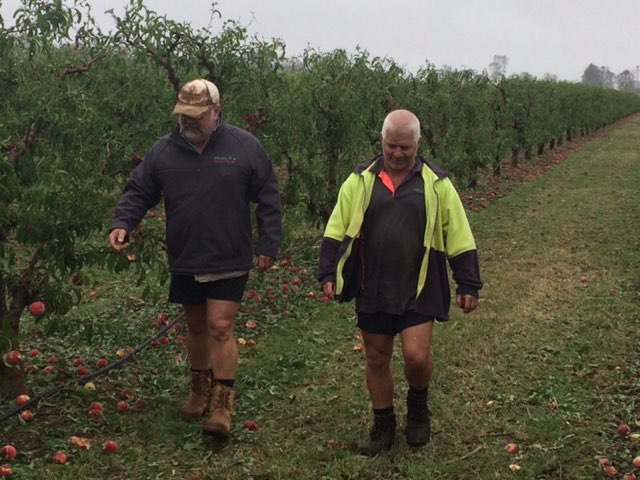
point(224, 160)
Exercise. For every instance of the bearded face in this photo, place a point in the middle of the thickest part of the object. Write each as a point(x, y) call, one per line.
point(198, 130)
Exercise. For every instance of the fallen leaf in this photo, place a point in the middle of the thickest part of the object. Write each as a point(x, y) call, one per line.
point(80, 442)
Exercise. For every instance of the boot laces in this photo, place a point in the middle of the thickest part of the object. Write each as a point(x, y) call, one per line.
point(381, 427)
point(200, 381)
point(222, 396)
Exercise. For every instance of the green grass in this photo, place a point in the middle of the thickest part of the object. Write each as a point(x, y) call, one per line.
point(549, 360)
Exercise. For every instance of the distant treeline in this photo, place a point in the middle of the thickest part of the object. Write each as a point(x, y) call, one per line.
point(625, 81)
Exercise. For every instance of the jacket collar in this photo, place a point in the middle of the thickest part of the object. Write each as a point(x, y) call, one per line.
point(375, 165)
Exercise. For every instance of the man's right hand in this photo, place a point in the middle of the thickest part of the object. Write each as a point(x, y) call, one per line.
point(118, 239)
point(467, 303)
point(329, 289)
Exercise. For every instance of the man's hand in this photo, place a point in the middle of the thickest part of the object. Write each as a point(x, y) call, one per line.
point(329, 289)
point(467, 303)
point(263, 262)
point(117, 239)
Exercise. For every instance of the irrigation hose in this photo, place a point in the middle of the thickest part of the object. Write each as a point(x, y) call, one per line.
point(85, 378)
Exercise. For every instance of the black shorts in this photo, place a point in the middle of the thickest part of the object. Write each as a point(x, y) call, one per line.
point(186, 290)
point(382, 323)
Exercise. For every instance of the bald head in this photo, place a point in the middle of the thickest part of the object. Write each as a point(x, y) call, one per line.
point(401, 122)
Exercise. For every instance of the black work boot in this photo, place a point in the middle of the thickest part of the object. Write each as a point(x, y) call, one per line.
point(418, 431)
point(381, 436)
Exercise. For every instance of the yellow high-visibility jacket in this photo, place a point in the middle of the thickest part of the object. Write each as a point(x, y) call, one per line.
point(447, 239)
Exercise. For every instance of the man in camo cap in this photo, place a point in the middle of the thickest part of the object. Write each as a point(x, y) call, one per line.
point(208, 174)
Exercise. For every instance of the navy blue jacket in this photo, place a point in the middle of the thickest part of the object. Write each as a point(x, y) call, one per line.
point(207, 200)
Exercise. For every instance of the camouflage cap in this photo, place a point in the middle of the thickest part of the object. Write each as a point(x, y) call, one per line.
point(196, 97)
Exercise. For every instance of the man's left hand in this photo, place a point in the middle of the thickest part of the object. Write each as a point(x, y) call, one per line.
point(467, 303)
point(263, 262)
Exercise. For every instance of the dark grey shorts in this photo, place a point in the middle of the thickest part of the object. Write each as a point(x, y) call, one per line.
point(184, 289)
point(382, 323)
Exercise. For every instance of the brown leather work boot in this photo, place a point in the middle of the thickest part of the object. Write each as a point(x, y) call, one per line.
point(219, 422)
point(197, 403)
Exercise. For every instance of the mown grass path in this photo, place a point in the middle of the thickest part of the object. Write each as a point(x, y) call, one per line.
point(549, 361)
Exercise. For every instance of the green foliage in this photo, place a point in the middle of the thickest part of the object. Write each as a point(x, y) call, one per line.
point(456, 123)
point(328, 120)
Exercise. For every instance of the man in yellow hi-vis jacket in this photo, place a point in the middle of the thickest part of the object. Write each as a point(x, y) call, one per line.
point(397, 223)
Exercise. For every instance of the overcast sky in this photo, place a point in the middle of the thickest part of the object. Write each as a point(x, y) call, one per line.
point(558, 37)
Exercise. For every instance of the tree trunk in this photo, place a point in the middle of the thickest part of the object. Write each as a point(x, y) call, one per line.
point(540, 149)
point(497, 167)
point(568, 135)
point(13, 382)
point(12, 379)
point(514, 156)
point(552, 144)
